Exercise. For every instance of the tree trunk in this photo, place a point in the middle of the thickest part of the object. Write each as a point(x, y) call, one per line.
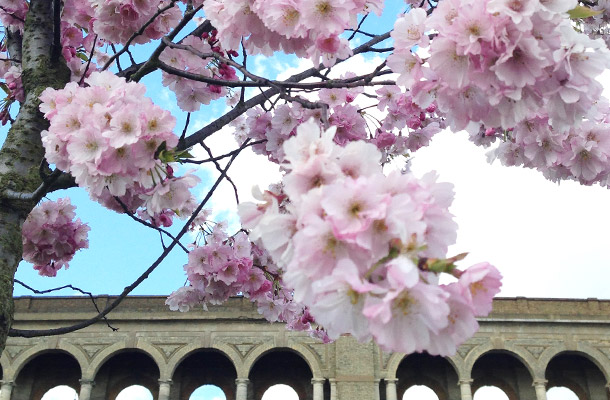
point(22, 152)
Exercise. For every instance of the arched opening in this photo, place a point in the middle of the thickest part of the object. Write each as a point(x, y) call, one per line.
point(208, 392)
point(45, 372)
point(280, 392)
point(576, 372)
point(423, 370)
point(561, 393)
point(123, 370)
point(506, 372)
point(135, 392)
point(419, 392)
point(61, 392)
point(204, 367)
point(281, 366)
point(489, 393)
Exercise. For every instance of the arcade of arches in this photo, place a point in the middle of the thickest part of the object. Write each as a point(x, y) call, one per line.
point(525, 347)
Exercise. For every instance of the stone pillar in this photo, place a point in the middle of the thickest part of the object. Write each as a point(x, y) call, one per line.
point(318, 388)
point(164, 388)
point(465, 389)
point(241, 393)
point(390, 389)
point(333, 389)
point(86, 385)
point(376, 394)
point(540, 387)
point(6, 389)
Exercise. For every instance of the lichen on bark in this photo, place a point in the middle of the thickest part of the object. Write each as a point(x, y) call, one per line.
point(22, 152)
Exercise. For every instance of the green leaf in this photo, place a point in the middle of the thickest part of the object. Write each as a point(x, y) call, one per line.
point(579, 12)
point(5, 88)
point(82, 56)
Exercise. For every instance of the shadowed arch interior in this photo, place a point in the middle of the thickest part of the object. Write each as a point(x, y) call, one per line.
point(579, 374)
point(44, 372)
point(281, 366)
point(431, 371)
point(204, 367)
point(124, 369)
point(504, 370)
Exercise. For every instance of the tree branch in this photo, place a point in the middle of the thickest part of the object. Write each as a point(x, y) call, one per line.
point(83, 324)
point(241, 108)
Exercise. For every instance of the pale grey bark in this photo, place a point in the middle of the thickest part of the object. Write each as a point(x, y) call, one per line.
point(22, 152)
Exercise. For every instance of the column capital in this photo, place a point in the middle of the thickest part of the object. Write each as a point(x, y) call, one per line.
point(7, 383)
point(334, 380)
point(465, 381)
point(390, 380)
point(87, 382)
point(242, 381)
point(165, 381)
point(318, 380)
point(539, 382)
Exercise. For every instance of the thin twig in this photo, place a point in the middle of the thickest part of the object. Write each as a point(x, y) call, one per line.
point(35, 291)
point(138, 33)
point(66, 329)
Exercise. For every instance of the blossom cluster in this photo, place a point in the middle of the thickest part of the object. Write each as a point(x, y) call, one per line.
point(582, 153)
point(307, 28)
point(12, 13)
point(402, 125)
point(14, 89)
point(499, 62)
point(51, 236)
point(108, 135)
point(117, 20)
point(364, 250)
point(191, 94)
point(226, 266)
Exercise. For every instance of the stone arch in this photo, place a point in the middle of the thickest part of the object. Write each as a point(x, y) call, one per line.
point(11, 372)
point(204, 366)
point(578, 371)
point(187, 350)
point(45, 370)
point(396, 358)
point(520, 354)
point(437, 373)
point(123, 368)
point(101, 357)
point(586, 350)
point(280, 365)
point(505, 369)
point(259, 351)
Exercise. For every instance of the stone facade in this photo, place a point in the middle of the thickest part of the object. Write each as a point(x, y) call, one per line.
point(524, 347)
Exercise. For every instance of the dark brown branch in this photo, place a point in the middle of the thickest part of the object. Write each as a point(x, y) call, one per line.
point(152, 63)
point(138, 33)
point(219, 168)
point(148, 224)
point(35, 291)
point(241, 108)
point(83, 324)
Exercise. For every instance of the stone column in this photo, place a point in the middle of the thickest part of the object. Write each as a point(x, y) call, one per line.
point(465, 389)
point(86, 385)
point(6, 389)
point(390, 389)
point(164, 388)
point(376, 394)
point(333, 389)
point(241, 393)
point(318, 388)
point(540, 387)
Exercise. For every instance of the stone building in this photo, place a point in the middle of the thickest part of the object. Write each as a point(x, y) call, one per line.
point(525, 347)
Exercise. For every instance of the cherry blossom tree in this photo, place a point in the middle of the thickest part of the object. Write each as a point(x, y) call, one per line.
point(346, 242)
